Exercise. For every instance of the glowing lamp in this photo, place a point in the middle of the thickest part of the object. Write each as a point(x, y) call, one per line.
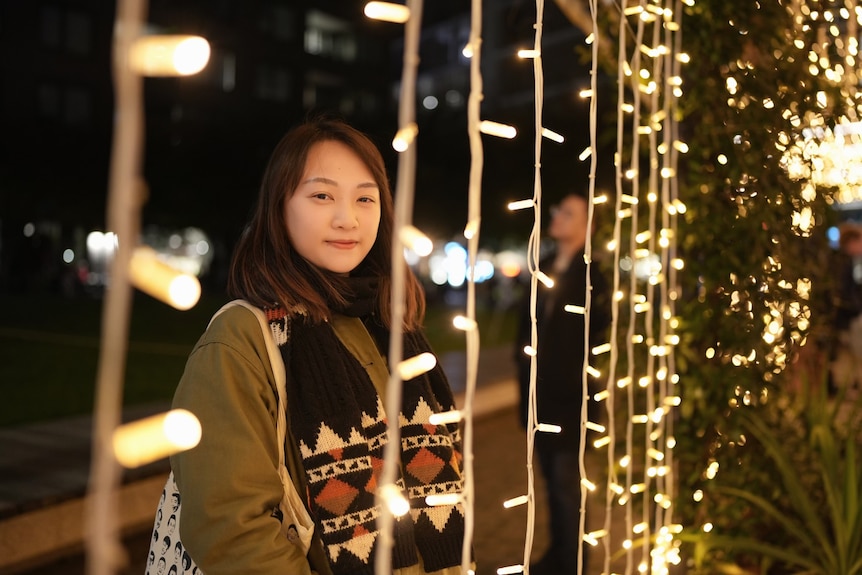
point(464, 323)
point(416, 240)
point(169, 55)
point(445, 417)
point(552, 135)
point(387, 12)
point(153, 438)
point(405, 137)
point(156, 278)
point(545, 279)
point(416, 365)
point(520, 205)
point(443, 499)
point(497, 129)
point(394, 500)
point(515, 501)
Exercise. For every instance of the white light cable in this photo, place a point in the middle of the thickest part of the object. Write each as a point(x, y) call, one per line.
point(533, 255)
point(404, 192)
point(104, 551)
point(473, 218)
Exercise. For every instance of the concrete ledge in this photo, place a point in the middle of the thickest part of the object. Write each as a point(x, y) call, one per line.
point(37, 537)
point(491, 397)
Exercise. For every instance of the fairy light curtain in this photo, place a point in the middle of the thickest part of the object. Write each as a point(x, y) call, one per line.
point(135, 55)
point(641, 378)
point(640, 372)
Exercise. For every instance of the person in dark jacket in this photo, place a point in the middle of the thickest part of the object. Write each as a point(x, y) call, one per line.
point(559, 374)
point(846, 353)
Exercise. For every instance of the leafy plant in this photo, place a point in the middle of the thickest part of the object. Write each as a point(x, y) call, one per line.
point(808, 518)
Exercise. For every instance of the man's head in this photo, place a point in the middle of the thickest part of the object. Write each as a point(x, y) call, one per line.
point(850, 239)
point(569, 221)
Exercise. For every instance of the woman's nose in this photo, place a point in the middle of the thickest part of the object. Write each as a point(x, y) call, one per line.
point(345, 215)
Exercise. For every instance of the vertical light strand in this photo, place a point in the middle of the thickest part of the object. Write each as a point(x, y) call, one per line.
point(672, 207)
point(403, 210)
point(664, 510)
point(653, 109)
point(104, 552)
point(634, 176)
point(610, 400)
point(473, 218)
point(533, 256)
point(588, 256)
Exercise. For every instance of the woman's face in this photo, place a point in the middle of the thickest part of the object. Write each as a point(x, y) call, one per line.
point(333, 215)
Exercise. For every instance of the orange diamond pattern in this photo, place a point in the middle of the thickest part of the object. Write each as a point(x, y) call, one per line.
point(336, 497)
point(425, 466)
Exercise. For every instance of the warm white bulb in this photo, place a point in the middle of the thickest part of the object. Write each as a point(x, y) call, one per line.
point(414, 239)
point(156, 437)
point(445, 417)
point(464, 323)
point(394, 500)
point(545, 279)
point(405, 137)
point(387, 12)
point(443, 499)
point(551, 135)
point(520, 205)
point(497, 129)
point(416, 365)
point(169, 55)
point(151, 275)
point(515, 501)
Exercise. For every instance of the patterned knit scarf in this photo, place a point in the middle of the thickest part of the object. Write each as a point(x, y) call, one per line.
point(338, 421)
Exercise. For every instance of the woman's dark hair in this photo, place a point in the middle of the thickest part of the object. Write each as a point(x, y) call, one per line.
point(266, 269)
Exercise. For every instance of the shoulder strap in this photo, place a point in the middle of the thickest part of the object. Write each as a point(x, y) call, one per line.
point(277, 363)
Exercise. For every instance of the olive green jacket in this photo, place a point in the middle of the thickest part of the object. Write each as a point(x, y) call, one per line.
point(230, 482)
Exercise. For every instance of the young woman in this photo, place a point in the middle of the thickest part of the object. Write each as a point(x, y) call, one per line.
point(316, 258)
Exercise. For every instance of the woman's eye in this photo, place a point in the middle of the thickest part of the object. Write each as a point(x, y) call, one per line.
point(367, 199)
point(320, 195)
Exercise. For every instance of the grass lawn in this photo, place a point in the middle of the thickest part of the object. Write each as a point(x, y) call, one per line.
point(50, 348)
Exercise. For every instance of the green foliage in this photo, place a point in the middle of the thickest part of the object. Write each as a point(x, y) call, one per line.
point(755, 308)
point(748, 265)
point(805, 517)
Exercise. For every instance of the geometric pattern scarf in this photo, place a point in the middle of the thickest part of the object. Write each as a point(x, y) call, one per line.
point(338, 421)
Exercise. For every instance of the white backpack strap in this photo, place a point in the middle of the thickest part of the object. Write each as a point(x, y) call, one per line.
point(296, 515)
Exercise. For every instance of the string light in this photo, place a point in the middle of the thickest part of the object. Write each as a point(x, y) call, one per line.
point(133, 57)
point(497, 129)
point(405, 137)
point(446, 417)
point(156, 278)
point(515, 501)
point(394, 499)
point(520, 205)
point(415, 240)
point(163, 55)
point(554, 136)
point(416, 365)
point(155, 437)
point(387, 12)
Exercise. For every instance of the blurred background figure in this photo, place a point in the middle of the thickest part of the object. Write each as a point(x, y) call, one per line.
point(559, 379)
point(846, 369)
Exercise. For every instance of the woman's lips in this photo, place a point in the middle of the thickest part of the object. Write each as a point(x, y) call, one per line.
point(342, 244)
